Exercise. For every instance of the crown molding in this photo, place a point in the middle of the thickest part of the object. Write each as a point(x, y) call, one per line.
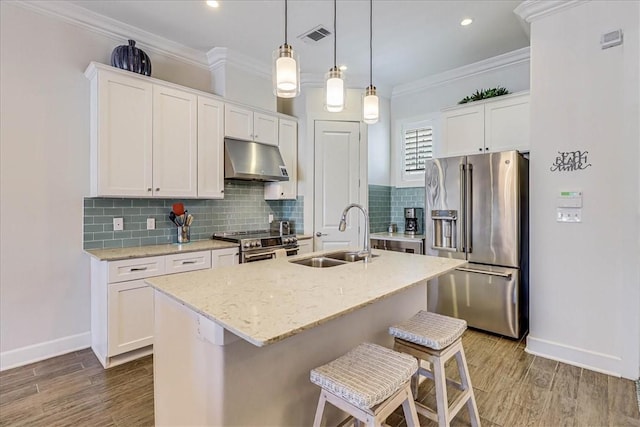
point(220, 56)
point(532, 10)
point(115, 30)
point(484, 66)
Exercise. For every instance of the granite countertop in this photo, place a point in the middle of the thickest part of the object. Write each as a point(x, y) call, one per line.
point(401, 237)
point(116, 254)
point(268, 301)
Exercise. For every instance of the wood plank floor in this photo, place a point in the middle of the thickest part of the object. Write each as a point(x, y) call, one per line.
point(512, 388)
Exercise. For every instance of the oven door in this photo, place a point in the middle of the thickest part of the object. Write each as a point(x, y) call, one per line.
point(265, 254)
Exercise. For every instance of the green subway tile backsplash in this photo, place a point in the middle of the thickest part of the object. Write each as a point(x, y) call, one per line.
point(242, 209)
point(386, 205)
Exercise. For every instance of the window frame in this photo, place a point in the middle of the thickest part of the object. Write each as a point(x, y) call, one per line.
point(412, 179)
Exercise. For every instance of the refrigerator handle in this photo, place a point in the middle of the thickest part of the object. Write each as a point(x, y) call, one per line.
point(462, 218)
point(468, 215)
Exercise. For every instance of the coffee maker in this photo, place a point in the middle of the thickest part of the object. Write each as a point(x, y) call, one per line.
point(413, 221)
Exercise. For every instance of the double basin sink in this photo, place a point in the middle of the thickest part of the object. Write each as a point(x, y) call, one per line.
point(331, 259)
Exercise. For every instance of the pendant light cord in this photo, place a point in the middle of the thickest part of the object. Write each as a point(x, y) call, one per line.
point(335, 33)
point(285, 21)
point(370, 42)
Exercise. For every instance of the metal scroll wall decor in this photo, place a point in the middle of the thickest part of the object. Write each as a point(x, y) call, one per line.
point(569, 161)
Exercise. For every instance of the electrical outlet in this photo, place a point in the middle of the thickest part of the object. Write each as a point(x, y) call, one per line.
point(118, 224)
point(151, 223)
point(270, 218)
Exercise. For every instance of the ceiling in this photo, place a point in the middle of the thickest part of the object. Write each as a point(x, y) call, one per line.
point(411, 39)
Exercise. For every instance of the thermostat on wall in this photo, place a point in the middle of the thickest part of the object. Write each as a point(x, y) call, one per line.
point(569, 206)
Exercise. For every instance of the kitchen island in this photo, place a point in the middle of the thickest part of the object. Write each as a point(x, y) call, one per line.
point(234, 345)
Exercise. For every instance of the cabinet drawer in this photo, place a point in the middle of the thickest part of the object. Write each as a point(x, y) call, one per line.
point(180, 263)
point(133, 269)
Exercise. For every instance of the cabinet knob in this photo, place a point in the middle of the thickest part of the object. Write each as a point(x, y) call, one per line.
point(480, 149)
point(486, 149)
point(158, 189)
point(255, 136)
point(222, 191)
point(149, 189)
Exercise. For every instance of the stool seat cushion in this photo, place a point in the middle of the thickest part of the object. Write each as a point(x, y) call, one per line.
point(430, 330)
point(367, 375)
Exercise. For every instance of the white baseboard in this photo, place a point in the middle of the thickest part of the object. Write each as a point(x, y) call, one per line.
point(34, 353)
point(594, 361)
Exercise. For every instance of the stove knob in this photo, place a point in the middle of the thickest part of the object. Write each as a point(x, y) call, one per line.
point(254, 244)
point(294, 239)
point(259, 244)
point(285, 240)
point(247, 245)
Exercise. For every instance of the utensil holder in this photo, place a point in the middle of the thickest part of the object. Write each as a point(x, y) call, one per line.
point(184, 234)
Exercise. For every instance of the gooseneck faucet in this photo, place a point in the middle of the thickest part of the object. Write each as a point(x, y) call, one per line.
point(366, 250)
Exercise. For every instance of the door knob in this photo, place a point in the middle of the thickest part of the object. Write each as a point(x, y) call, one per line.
point(319, 234)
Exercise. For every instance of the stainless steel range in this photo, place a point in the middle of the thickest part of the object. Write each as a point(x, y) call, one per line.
point(260, 245)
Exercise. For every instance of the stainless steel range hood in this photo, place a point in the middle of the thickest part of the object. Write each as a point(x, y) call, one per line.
point(253, 161)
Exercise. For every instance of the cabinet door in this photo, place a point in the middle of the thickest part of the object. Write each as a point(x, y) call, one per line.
point(265, 128)
point(288, 142)
point(122, 148)
point(224, 257)
point(130, 308)
point(175, 143)
point(210, 148)
point(463, 130)
point(507, 124)
point(305, 246)
point(238, 122)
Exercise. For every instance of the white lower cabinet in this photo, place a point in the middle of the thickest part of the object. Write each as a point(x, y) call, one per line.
point(225, 257)
point(122, 309)
point(305, 246)
point(130, 320)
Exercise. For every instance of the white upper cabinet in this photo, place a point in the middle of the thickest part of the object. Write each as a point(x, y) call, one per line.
point(175, 143)
point(288, 144)
point(121, 136)
point(243, 123)
point(210, 148)
point(265, 128)
point(498, 124)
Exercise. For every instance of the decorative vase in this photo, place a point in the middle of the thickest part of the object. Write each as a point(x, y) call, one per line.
point(129, 57)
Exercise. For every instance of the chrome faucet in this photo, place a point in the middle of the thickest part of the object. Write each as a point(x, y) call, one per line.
point(366, 250)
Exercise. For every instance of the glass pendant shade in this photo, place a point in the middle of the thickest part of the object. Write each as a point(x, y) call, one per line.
point(371, 109)
point(335, 91)
point(286, 72)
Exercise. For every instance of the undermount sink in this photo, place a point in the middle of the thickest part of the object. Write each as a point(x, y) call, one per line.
point(331, 259)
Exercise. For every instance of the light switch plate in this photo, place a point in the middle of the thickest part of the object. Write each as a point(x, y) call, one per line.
point(151, 223)
point(118, 224)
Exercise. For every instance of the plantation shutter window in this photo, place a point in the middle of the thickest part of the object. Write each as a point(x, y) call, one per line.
point(418, 147)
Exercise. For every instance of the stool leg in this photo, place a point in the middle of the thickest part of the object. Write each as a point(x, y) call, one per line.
point(320, 410)
point(441, 392)
point(410, 414)
point(465, 378)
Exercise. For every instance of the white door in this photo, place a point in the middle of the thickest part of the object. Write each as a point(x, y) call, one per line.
point(175, 143)
point(507, 124)
point(238, 122)
point(463, 130)
point(265, 128)
point(130, 308)
point(339, 167)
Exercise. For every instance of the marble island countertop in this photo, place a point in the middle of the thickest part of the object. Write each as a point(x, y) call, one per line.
point(268, 301)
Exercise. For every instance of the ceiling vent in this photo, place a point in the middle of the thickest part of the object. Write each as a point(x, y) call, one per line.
point(315, 34)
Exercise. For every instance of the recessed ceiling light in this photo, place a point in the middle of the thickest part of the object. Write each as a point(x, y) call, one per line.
point(342, 67)
point(466, 21)
point(213, 3)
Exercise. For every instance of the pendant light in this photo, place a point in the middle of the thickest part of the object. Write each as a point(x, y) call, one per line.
point(335, 87)
point(286, 67)
point(370, 107)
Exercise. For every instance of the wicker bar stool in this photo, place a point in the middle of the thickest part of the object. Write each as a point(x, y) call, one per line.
point(436, 338)
point(368, 383)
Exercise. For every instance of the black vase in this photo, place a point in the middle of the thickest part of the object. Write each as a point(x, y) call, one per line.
point(131, 58)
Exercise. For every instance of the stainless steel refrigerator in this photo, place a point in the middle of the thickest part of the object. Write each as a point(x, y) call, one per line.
point(477, 209)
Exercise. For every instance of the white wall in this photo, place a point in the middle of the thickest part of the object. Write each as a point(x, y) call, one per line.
point(249, 88)
point(449, 88)
point(585, 278)
point(380, 146)
point(44, 174)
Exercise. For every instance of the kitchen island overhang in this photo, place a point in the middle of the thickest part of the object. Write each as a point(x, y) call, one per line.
point(234, 346)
